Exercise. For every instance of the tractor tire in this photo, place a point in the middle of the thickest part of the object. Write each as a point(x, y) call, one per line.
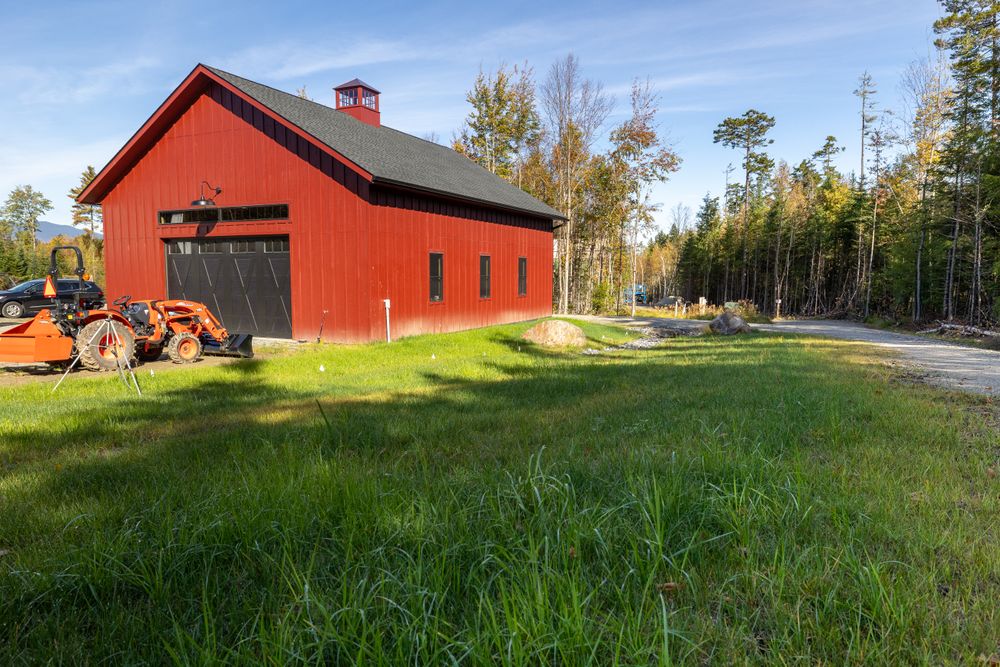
point(98, 349)
point(13, 310)
point(151, 354)
point(184, 348)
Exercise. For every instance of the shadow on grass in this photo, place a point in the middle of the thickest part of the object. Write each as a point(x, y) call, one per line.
point(521, 408)
point(215, 484)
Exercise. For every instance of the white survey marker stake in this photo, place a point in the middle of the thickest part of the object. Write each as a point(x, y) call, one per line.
point(388, 335)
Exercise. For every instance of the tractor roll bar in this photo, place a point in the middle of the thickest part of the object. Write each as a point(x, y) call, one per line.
point(54, 271)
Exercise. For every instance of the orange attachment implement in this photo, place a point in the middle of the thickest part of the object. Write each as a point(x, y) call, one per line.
point(36, 340)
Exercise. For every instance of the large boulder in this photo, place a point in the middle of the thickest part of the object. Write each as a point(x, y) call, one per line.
point(556, 333)
point(729, 323)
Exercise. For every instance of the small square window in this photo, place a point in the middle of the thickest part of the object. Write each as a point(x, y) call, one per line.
point(484, 276)
point(368, 98)
point(179, 247)
point(209, 247)
point(349, 97)
point(243, 246)
point(437, 276)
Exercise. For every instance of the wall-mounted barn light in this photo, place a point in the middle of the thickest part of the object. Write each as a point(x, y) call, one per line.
point(201, 201)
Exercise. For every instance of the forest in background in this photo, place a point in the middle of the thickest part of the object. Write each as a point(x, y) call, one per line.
point(23, 256)
point(911, 235)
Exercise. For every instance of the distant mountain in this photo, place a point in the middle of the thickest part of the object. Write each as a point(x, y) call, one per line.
point(49, 230)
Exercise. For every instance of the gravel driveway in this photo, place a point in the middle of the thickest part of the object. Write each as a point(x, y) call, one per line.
point(946, 364)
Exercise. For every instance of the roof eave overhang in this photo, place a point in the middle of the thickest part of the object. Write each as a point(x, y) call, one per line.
point(556, 219)
point(182, 96)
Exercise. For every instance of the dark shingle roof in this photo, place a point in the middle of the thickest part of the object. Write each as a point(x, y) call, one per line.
point(391, 156)
point(353, 83)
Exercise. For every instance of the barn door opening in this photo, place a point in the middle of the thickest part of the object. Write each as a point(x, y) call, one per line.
point(246, 282)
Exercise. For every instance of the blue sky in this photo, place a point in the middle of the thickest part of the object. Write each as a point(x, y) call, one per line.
point(80, 77)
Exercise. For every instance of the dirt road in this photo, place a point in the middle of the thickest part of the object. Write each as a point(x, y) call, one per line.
point(942, 363)
point(947, 364)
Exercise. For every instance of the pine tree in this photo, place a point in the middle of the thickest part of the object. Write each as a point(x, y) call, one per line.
point(749, 134)
point(968, 32)
point(865, 93)
point(87, 216)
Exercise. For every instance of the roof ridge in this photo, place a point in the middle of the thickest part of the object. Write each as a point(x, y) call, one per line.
point(219, 70)
point(389, 154)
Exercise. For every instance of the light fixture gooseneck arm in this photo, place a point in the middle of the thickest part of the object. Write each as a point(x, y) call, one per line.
point(202, 201)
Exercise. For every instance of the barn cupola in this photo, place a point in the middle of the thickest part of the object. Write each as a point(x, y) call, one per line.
point(360, 100)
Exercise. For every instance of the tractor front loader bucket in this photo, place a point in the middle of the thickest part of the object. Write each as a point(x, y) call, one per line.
point(34, 341)
point(236, 345)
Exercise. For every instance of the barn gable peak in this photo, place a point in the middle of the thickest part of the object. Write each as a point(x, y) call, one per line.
point(359, 100)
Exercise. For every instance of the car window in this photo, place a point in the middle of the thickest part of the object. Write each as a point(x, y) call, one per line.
point(69, 286)
point(28, 284)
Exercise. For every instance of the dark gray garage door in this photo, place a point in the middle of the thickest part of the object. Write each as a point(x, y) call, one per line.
point(244, 281)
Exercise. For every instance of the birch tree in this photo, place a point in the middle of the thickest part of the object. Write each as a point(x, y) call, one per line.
point(646, 159)
point(575, 109)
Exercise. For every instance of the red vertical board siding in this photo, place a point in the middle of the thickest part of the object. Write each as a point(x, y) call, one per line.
point(404, 239)
point(352, 243)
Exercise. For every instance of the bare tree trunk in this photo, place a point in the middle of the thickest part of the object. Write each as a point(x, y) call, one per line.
point(859, 274)
point(746, 224)
point(975, 291)
point(776, 270)
point(788, 265)
point(725, 284)
point(921, 238)
point(871, 250)
point(949, 279)
point(635, 250)
point(918, 292)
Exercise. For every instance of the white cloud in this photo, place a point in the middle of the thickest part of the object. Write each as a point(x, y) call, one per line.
point(289, 60)
point(53, 170)
point(52, 85)
point(296, 59)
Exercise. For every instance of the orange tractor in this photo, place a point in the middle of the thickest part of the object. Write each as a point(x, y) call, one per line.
point(141, 330)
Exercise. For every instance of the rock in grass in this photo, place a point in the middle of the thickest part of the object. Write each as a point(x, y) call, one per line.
point(729, 323)
point(556, 333)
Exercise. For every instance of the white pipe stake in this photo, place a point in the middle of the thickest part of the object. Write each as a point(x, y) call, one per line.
point(388, 334)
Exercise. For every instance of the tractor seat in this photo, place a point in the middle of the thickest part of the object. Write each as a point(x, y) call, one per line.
point(139, 314)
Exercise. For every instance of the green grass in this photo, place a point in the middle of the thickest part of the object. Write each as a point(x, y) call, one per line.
point(469, 498)
point(694, 314)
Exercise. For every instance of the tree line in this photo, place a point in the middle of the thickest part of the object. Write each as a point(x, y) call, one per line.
point(911, 233)
point(543, 138)
point(22, 256)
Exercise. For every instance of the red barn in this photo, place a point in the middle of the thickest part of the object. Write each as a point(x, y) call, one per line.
point(297, 220)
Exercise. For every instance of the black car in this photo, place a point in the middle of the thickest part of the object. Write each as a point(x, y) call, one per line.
point(26, 298)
